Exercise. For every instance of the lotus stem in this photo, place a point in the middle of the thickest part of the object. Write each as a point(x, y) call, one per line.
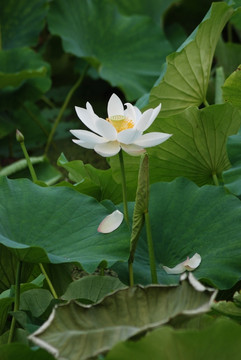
point(20, 139)
point(215, 179)
point(16, 301)
point(150, 249)
point(48, 281)
point(131, 274)
point(123, 178)
point(62, 110)
point(206, 103)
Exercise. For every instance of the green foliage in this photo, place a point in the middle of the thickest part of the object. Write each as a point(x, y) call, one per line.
point(220, 340)
point(126, 50)
point(46, 47)
point(63, 226)
point(231, 88)
point(97, 328)
point(24, 76)
point(184, 80)
point(186, 219)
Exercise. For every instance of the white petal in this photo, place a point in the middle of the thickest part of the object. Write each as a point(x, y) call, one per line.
point(87, 139)
point(133, 149)
point(193, 263)
point(138, 112)
point(189, 264)
point(86, 135)
point(115, 106)
point(128, 136)
point(144, 120)
point(178, 269)
point(110, 148)
point(91, 111)
point(130, 112)
point(106, 129)
point(111, 222)
point(152, 139)
point(153, 116)
point(86, 117)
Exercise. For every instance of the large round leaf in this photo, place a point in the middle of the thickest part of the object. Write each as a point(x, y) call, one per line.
point(220, 341)
point(128, 50)
point(232, 176)
point(153, 8)
point(231, 88)
point(196, 150)
point(75, 332)
point(21, 22)
point(56, 225)
point(185, 78)
point(185, 220)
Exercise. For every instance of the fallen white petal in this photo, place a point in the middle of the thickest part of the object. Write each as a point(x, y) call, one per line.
point(115, 106)
point(110, 148)
point(111, 222)
point(193, 263)
point(178, 269)
point(152, 139)
point(188, 264)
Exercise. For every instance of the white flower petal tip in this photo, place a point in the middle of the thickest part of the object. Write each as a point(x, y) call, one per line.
point(188, 264)
point(111, 222)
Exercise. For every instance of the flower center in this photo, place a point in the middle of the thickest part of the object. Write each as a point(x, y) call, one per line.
point(120, 122)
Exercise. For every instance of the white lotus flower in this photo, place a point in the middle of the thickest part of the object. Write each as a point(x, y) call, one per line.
point(123, 129)
point(188, 264)
point(111, 222)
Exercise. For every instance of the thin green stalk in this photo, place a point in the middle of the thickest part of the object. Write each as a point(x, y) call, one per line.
point(229, 30)
point(48, 281)
point(0, 38)
point(16, 301)
point(131, 274)
point(62, 110)
point(47, 101)
point(123, 181)
point(20, 139)
point(206, 103)
point(150, 249)
point(215, 179)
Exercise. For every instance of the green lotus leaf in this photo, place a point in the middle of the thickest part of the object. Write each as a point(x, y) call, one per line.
point(231, 309)
point(79, 332)
point(152, 8)
point(126, 50)
point(185, 220)
point(23, 352)
point(92, 287)
point(98, 183)
point(56, 225)
point(8, 266)
point(232, 176)
point(196, 150)
point(184, 79)
point(231, 88)
point(221, 340)
point(21, 22)
point(24, 76)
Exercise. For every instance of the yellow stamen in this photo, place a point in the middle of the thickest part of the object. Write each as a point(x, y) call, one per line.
point(120, 122)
